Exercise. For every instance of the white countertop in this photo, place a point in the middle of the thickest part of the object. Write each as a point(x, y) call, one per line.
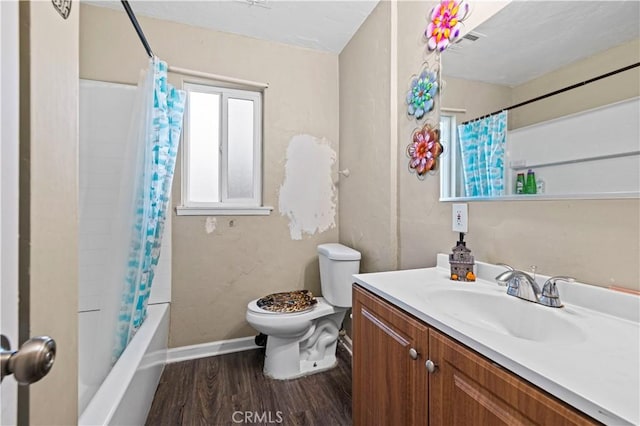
point(599, 375)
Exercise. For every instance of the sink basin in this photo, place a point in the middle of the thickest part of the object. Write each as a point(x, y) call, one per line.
point(508, 315)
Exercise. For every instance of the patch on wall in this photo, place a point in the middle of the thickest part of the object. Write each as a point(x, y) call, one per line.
point(210, 224)
point(308, 195)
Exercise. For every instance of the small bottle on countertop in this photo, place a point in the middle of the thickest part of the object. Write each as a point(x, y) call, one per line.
point(520, 183)
point(539, 186)
point(530, 183)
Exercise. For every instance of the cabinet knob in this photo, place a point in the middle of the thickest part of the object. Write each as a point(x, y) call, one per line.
point(413, 353)
point(431, 366)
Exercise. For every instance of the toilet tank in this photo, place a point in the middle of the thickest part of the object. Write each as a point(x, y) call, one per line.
point(337, 264)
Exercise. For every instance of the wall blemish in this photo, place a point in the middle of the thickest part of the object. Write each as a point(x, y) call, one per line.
point(308, 194)
point(210, 224)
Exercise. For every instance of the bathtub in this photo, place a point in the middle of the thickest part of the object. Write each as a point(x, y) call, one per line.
point(126, 394)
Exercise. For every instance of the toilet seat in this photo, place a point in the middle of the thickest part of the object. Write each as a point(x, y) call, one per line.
point(318, 310)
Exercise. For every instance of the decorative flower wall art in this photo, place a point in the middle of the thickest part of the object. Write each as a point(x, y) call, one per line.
point(424, 150)
point(445, 23)
point(420, 96)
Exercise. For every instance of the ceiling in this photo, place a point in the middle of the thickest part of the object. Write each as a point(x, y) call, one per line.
point(319, 25)
point(528, 39)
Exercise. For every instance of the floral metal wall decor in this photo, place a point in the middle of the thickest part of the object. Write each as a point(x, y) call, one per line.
point(421, 95)
point(445, 23)
point(424, 150)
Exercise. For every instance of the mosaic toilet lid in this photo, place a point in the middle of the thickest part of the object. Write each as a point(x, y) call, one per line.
point(288, 302)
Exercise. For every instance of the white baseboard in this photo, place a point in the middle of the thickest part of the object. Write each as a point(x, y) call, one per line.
point(203, 350)
point(347, 343)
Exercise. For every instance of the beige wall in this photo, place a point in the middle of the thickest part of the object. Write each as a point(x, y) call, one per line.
point(485, 97)
point(49, 180)
point(423, 220)
point(595, 241)
point(606, 91)
point(368, 196)
point(216, 274)
point(491, 97)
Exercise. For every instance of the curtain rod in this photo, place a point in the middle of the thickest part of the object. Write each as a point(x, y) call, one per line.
point(145, 43)
point(136, 25)
point(217, 77)
point(457, 110)
point(556, 92)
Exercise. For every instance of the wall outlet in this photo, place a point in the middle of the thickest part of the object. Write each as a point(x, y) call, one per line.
point(460, 218)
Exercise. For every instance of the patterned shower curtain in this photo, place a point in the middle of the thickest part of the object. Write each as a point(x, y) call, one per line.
point(482, 144)
point(156, 131)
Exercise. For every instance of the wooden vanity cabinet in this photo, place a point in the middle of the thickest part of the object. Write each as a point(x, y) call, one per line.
point(392, 388)
point(389, 378)
point(468, 389)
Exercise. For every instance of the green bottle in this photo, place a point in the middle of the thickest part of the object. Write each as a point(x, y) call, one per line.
point(530, 184)
point(520, 183)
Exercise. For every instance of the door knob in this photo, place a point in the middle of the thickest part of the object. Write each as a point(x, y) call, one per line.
point(31, 363)
point(413, 353)
point(431, 366)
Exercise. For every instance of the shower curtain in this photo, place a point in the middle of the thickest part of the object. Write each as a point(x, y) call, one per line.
point(482, 144)
point(144, 196)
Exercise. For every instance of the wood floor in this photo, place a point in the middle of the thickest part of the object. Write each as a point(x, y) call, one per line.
point(231, 389)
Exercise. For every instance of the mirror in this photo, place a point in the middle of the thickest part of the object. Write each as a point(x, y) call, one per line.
point(582, 143)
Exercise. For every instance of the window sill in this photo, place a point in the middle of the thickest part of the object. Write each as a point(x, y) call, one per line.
point(224, 211)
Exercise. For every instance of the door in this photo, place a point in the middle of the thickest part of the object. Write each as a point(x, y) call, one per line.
point(389, 352)
point(38, 210)
point(48, 257)
point(8, 196)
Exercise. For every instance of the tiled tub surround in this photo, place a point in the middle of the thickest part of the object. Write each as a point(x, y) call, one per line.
point(104, 123)
point(598, 373)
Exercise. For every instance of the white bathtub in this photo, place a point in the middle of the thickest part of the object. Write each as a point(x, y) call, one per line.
point(126, 394)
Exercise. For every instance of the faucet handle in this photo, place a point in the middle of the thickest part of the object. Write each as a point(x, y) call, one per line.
point(551, 282)
point(505, 276)
point(509, 267)
point(550, 295)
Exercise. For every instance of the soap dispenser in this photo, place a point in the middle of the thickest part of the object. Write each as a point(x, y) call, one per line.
point(461, 262)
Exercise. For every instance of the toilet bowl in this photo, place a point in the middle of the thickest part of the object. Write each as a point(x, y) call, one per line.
point(305, 342)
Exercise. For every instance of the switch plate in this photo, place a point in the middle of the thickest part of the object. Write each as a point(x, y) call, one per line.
point(460, 218)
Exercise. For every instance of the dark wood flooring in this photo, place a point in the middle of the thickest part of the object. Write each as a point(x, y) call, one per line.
point(231, 389)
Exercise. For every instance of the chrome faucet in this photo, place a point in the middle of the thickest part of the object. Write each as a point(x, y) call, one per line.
point(522, 285)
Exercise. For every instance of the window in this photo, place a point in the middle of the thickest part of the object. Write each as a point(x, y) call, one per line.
point(451, 174)
point(222, 152)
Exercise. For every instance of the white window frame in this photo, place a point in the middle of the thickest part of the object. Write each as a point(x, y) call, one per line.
point(226, 205)
point(449, 161)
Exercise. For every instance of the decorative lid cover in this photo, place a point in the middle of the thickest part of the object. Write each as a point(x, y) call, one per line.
point(288, 302)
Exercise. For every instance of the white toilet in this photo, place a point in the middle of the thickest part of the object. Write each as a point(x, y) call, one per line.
point(305, 342)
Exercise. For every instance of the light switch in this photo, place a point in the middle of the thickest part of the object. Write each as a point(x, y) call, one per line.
point(460, 218)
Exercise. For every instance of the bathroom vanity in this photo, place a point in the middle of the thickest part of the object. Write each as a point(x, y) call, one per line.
point(427, 350)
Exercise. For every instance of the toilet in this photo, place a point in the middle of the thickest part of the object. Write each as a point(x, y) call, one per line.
point(305, 342)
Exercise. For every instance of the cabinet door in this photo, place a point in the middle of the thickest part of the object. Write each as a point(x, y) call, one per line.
point(389, 378)
point(467, 389)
